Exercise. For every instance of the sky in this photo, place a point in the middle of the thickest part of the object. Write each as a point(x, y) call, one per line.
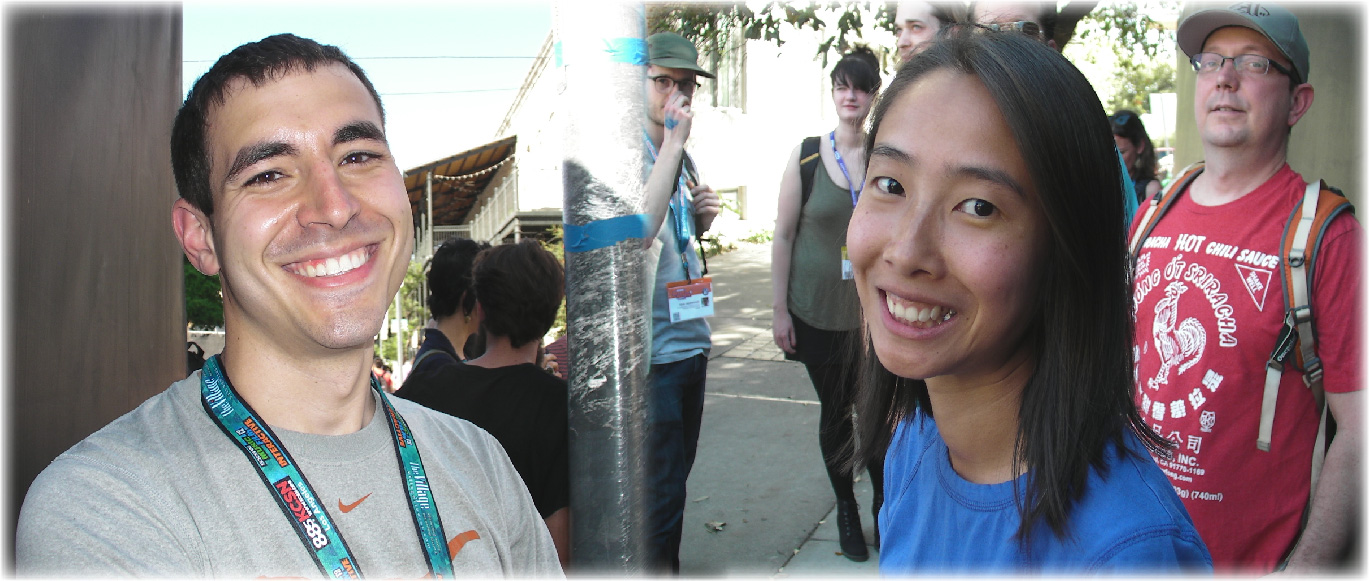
point(446, 71)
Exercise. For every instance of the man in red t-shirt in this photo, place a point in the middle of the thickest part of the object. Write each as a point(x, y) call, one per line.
point(1208, 292)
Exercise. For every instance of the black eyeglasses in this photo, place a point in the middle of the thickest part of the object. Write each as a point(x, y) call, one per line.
point(665, 82)
point(1026, 27)
point(1246, 64)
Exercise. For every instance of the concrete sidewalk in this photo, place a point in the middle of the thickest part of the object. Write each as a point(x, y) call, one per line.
point(759, 500)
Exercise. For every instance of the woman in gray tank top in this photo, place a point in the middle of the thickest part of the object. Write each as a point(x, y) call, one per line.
point(816, 310)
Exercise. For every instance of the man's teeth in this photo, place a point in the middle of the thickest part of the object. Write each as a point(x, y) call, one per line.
point(333, 266)
point(920, 317)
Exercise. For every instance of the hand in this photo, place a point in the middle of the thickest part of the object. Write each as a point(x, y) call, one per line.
point(783, 328)
point(679, 118)
point(549, 362)
point(707, 204)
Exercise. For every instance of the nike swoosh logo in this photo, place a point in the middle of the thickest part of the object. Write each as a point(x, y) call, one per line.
point(350, 507)
point(454, 546)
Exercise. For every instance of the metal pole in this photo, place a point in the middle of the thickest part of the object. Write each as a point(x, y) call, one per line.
point(601, 59)
point(399, 336)
point(428, 194)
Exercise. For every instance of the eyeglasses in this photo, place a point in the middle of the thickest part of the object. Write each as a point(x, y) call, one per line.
point(1245, 64)
point(1026, 27)
point(665, 82)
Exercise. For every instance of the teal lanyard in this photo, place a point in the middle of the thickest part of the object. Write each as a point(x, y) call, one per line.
point(679, 210)
point(855, 193)
point(296, 497)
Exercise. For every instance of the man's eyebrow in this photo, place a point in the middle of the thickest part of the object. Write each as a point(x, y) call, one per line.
point(251, 154)
point(358, 130)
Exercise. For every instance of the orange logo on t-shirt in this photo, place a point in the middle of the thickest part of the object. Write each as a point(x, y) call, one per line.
point(454, 546)
point(349, 507)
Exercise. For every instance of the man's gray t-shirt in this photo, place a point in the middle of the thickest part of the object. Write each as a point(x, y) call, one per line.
point(162, 491)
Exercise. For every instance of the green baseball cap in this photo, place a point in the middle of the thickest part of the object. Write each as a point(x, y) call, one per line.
point(670, 50)
point(1275, 22)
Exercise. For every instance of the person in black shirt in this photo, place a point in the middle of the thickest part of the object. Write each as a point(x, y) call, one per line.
point(518, 289)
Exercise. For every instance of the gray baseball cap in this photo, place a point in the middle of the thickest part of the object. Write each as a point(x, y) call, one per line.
point(1275, 22)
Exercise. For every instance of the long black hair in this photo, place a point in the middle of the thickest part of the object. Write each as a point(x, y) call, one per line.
point(1080, 397)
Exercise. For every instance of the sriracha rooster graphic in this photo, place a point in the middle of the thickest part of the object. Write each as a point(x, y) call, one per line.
point(1175, 343)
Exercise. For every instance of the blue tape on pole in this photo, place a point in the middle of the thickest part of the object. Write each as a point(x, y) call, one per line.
point(556, 51)
point(601, 233)
point(629, 50)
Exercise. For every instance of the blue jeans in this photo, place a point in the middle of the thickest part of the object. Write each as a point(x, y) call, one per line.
point(674, 411)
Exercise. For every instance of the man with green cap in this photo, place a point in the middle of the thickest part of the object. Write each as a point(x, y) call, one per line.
point(1209, 288)
point(679, 205)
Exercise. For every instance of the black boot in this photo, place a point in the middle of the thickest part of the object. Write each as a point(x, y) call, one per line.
point(879, 503)
point(848, 529)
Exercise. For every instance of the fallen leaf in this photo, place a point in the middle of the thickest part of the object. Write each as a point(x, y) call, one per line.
point(714, 526)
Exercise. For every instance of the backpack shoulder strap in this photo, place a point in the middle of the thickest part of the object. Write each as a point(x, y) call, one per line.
point(1302, 237)
point(808, 165)
point(440, 353)
point(1159, 204)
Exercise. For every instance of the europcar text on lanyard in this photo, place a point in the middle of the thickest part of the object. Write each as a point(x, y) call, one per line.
point(294, 495)
point(847, 273)
point(689, 298)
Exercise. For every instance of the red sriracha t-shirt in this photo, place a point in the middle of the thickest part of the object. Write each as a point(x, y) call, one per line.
point(1208, 294)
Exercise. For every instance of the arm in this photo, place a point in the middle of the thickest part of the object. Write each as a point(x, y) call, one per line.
point(559, 526)
point(660, 184)
point(1335, 507)
point(782, 250)
point(1334, 511)
point(1152, 189)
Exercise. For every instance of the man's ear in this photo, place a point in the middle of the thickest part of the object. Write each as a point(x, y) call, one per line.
point(196, 236)
point(479, 313)
point(1301, 101)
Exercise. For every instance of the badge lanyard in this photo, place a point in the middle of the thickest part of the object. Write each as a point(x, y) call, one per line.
point(679, 210)
point(850, 186)
point(316, 529)
point(846, 271)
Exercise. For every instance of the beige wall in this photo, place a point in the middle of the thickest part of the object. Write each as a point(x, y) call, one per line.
point(95, 311)
point(1327, 141)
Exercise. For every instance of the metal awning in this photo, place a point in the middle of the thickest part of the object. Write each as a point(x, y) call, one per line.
point(457, 181)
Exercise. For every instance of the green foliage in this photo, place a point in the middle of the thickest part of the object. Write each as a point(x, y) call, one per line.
point(413, 302)
point(759, 237)
point(1125, 27)
point(706, 23)
point(1134, 81)
point(1127, 53)
point(203, 298)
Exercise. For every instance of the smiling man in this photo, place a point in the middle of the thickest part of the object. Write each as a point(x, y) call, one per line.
point(290, 194)
point(1209, 288)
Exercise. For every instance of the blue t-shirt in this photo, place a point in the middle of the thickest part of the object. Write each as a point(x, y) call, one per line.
point(933, 521)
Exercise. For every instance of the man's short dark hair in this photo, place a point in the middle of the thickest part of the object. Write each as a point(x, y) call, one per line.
point(259, 62)
point(519, 287)
point(449, 277)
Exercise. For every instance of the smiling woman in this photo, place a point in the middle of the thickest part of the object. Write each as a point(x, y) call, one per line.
point(997, 324)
